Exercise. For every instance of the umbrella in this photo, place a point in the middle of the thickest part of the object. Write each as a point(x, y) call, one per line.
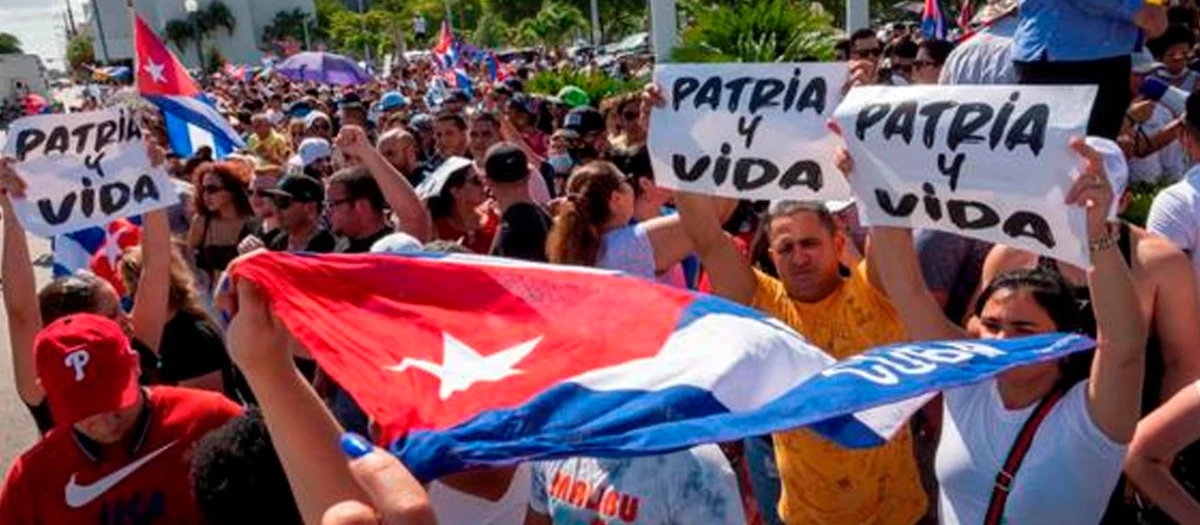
point(322, 67)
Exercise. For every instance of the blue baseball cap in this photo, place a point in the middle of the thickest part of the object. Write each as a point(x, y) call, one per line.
point(392, 100)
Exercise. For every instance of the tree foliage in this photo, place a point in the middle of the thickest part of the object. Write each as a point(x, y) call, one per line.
point(288, 25)
point(201, 25)
point(80, 51)
point(554, 26)
point(179, 33)
point(757, 31)
point(9, 44)
point(597, 85)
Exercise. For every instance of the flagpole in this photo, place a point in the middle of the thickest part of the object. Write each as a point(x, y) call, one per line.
point(137, 66)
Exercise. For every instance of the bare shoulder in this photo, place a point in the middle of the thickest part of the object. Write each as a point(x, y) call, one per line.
point(1160, 258)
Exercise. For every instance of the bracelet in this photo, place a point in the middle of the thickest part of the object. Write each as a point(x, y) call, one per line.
point(1105, 242)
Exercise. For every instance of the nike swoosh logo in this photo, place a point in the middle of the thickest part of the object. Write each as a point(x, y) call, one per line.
point(80, 495)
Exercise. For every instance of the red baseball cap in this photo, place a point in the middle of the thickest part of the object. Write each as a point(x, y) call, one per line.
point(87, 367)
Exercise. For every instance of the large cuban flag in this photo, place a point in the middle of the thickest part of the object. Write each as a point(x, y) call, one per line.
point(189, 115)
point(468, 361)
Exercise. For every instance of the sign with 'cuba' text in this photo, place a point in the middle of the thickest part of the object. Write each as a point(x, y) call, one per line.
point(84, 169)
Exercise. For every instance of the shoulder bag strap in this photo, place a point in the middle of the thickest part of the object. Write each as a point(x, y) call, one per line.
point(1020, 447)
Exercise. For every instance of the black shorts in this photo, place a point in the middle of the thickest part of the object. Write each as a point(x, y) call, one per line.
point(1111, 75)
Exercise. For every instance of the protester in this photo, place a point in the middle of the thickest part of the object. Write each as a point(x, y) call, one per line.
point(1175, 211)
point(485, 132)
point(519, 119)
point(931, 57)
point(400, 149)
point(408, 211)
point(355, 205)
point(117, 447)
point(1153, 454)
point(236, 476)
point(264, 213)
point(1080, 43)
point(1150, 136)
point(314, 157)
point(524, 224)
point(592, 227)
point(1172, 49)
point(318, 125)
point(224, 216)
point(192, 353)
point(1089, 415)
point(297, 200)
point(457, 204)
point(589, 124)
point(267, 143)
point(822, 482)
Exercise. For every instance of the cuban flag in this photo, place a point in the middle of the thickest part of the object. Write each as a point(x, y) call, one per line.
point(966, 13)
point(191, 118)
point(97, 249)
point(466, 361)
point(933, 20)
point(495, 72)
point(446, 48)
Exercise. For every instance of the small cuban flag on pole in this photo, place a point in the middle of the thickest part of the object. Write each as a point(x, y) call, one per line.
point(933, 20)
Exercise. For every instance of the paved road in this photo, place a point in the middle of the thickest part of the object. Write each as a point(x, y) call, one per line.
point(17, 430)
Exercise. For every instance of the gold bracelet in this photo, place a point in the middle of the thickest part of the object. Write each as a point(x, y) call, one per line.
point(1105, 242)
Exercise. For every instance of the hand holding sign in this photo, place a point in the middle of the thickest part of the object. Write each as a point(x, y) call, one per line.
point(1092, 189)
point(748, 131)
point(83, 169)
point(11, 184)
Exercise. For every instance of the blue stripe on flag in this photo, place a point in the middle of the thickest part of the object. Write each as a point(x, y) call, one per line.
point(190, 120)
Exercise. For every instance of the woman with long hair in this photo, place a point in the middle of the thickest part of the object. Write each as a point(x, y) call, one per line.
point(192, 350)
point(1074, 459)
point(593, 227)
point(223, 215)
point(460, 210)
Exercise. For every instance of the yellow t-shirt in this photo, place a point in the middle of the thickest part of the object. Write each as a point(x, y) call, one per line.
point(275, 149)
point(823, 483)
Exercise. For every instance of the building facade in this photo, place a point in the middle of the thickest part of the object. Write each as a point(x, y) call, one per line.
point(112, 29)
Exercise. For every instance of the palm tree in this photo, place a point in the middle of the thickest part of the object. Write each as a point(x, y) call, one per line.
point(553, 25)
point(180, 33)
point(215, 16)
point(287, 24)
point(9, 44)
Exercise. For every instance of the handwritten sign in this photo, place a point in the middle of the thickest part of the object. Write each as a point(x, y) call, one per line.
point(986, 162)
point(750, 131)
point(84, 169)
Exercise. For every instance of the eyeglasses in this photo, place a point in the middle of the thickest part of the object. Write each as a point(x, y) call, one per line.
point(866, 53)
point(206, 188)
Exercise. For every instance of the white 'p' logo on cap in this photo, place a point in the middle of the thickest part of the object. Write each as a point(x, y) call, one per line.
point(77, 359)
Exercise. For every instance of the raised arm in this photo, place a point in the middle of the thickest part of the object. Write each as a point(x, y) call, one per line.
point(893, 257)
point(150, 303)
point(1117, 370)
point(306, 436)
point(400, 195)
point(729, 272)
point(20, 290)
point(1160, 437)
point(671, 243)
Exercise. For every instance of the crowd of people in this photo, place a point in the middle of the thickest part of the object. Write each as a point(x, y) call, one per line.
point(156, 406)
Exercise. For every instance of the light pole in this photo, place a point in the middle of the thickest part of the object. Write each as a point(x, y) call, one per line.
point(595, 23)
point(663, 26)
point(192, 8)
point(362, 17)
point(100, 28)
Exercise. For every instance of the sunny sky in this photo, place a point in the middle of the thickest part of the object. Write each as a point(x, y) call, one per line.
point(38, 23)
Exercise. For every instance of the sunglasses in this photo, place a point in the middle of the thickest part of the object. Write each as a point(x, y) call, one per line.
point(866, 53)
point(211, 189)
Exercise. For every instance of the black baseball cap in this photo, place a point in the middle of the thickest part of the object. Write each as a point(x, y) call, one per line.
point(584, 120)
point(506, 163)
point(301, 188)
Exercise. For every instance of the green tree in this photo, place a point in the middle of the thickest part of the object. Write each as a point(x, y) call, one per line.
point(553, 26)
point(180, 33)
point(288, 25)
point(9, 44)
point(80, 51)
point(757, 31)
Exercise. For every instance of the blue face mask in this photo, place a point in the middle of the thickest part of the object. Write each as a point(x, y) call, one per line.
point(560, 163)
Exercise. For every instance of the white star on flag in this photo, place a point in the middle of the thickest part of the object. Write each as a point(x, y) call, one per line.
point(462, 366)
point(112, 246)
point(156, 71)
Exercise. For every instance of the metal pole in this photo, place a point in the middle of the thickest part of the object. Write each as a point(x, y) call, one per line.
point(199, 43)
point(100, 28)
point(362, 17)
point(663, 26)
point(595, 23)
point(307, 43)
point(449, 14)
point(858, 15)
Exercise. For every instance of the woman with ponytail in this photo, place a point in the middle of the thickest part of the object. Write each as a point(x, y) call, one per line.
point(594, 227)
